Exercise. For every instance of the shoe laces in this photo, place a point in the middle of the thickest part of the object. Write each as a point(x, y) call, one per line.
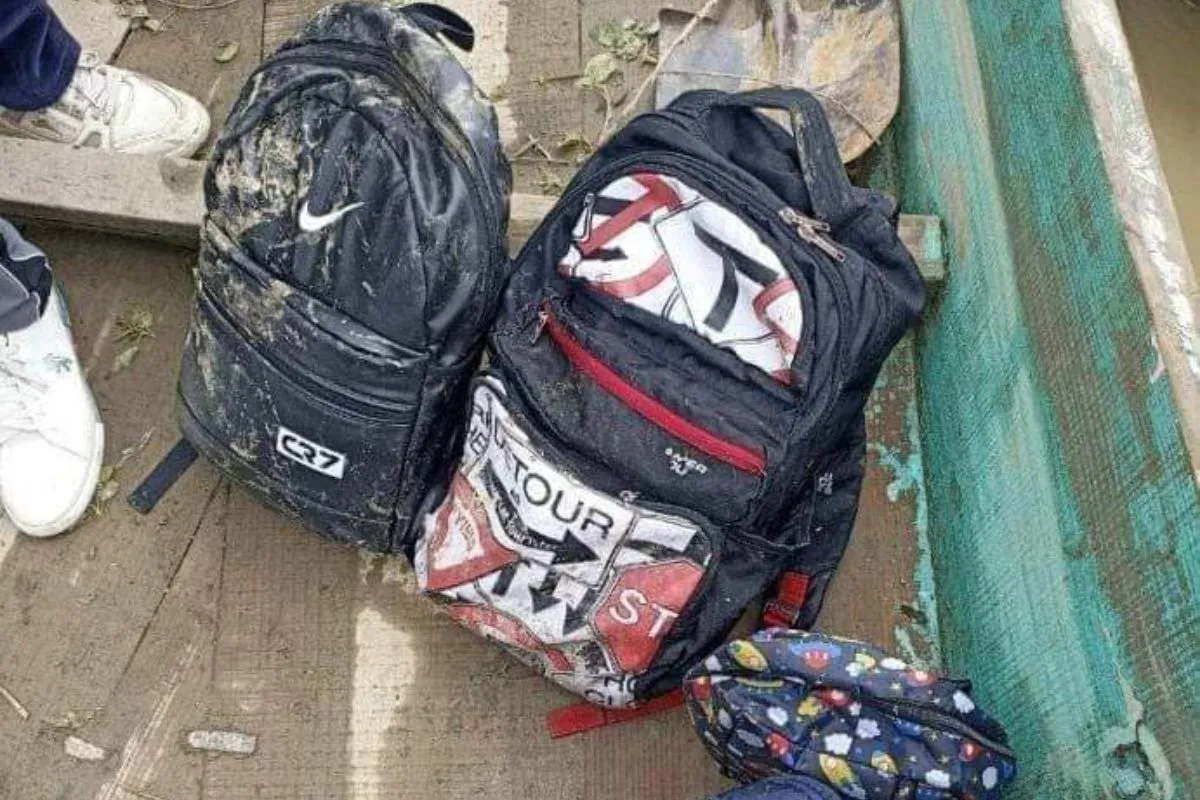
point(92, 98)
point(21, 393)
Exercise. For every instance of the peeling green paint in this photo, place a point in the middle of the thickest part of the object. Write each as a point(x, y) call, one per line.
point(907, 470)
point(1063, 520)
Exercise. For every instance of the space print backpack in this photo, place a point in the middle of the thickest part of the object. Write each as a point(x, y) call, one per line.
point(672, 415)
point(352, 258)
point(868, 725)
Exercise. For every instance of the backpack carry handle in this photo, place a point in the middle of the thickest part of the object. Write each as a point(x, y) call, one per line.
point(816, 148)
point(435, 20)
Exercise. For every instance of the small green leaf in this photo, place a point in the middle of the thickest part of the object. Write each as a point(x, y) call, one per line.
point(599, 70)
point(226, 52)
point(135, 324)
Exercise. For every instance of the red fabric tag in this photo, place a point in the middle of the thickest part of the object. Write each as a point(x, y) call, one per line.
point(782, 611)
point(580, 717)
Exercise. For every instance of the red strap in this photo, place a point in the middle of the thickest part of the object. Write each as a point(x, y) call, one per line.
point(784, 609)
point(580, 717)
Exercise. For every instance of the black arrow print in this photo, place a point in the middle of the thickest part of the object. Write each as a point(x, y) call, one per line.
point(568, 551)
point(542, 596)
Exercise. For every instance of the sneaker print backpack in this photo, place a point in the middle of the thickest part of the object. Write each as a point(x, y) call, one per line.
point(672, 414)
point(352, 257)
point(868, 725)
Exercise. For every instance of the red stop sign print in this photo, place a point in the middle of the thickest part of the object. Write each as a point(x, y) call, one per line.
point(640, 607)
point(461, 545)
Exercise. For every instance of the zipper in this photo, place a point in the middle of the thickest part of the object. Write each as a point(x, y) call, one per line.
point(377, 410)
point(383, 64)
point(932, 717)
point(813, 231)
point(738, 456)
point(772, 216)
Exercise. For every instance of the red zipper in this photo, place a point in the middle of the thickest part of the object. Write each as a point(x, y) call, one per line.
point(735, 455)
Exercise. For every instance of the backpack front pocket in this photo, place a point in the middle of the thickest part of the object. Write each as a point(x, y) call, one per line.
point(577, 582)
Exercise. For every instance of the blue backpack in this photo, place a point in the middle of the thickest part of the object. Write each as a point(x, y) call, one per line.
point(782, 787)
point(867, 724)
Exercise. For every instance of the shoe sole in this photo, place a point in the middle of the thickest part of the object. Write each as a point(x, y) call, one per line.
point(64, 522)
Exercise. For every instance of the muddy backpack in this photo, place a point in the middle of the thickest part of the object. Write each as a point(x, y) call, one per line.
point(352, 257)
point(672, 417)
point(865, 723)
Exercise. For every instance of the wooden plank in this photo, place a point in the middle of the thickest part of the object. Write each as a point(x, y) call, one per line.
point(95, 24)
point(1060, 488)
point(134, 195)
point(162, 198)
point(351, 681)
point(282, 18)
point(75, 608)
point(181, 54)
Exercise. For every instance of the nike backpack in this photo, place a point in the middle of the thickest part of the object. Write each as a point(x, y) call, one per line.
point(672, 413)
point(352, 257)
point(806, 705)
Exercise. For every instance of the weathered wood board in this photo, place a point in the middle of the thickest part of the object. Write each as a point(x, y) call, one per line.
point(162, 198)
point(1054, 395)
point(95, 24)
point(76, 610)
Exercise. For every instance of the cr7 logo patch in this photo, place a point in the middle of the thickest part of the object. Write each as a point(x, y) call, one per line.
point(308, 453)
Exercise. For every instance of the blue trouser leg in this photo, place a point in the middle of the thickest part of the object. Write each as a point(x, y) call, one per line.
point(25, 280)
point(37, 55)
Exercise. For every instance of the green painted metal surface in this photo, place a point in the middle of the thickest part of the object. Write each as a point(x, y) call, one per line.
point(1064, 523)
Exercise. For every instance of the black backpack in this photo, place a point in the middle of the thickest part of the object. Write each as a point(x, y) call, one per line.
point(352, 259)
point(672, 416)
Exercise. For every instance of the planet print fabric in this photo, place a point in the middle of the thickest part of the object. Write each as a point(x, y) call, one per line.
point(865, 723)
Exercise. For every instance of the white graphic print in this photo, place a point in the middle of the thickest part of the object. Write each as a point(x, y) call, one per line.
point(308, 453)
point(575, 582)
point(655, 242)
point(311, 223)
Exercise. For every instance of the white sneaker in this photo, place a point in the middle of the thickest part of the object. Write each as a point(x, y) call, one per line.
point(51, 438)
point(115, 109)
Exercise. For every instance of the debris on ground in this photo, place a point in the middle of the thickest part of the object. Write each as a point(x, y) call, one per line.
point(108, 486)
point(22, 712)
point(124, 359)
point(223, 742)
point(549, 183)
point(629, 40)
point(83, 750)
point(134, 324)
point(132, 10)
point(72, 720)
point(226, 52)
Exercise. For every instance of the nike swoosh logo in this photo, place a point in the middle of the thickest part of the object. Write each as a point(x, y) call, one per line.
point(312, 223)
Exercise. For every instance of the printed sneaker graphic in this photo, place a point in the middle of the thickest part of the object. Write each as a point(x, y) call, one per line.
point(311, 223)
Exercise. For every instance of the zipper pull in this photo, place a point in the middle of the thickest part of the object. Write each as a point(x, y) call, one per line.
point(812, 231)
point(542, 318)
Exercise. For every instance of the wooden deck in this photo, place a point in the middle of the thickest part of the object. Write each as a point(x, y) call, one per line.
point(215, 613)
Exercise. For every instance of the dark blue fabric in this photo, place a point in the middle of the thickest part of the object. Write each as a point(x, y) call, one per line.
point(37, 55)
point(867, 724)
point(792, 787)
